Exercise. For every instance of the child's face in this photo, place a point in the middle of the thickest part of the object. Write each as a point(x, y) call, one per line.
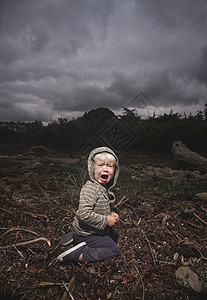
point(104, 171)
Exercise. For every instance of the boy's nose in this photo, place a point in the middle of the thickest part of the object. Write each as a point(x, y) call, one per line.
point(105, 168)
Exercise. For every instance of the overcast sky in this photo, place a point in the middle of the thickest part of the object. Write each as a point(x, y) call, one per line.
point(61, 58)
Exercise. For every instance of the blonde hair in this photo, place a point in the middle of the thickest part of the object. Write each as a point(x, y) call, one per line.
point(103, 156)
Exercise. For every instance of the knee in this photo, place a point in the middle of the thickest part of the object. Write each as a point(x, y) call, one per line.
point(116, 251)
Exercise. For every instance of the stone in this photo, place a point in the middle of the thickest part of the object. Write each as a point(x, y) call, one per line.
point(187, 277)
point(150, 174)
point(201, 196)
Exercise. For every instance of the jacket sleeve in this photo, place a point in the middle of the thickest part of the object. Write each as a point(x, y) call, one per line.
point(86, 213)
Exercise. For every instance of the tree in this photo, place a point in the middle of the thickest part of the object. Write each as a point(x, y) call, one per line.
point(100, 113)
point(205, 111)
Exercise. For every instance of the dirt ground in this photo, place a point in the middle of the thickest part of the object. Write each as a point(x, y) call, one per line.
point(162, 227)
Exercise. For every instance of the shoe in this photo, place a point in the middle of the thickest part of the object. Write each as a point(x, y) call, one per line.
point(72, 254)
point(67, 239)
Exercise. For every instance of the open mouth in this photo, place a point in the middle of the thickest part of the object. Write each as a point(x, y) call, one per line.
point(104, 177)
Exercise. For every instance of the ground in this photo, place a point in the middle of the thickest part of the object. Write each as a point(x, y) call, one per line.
point(161, 228)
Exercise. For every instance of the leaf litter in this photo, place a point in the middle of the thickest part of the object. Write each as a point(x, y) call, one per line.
point(162, 228)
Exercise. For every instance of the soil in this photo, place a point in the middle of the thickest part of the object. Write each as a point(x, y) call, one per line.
point(161, 228)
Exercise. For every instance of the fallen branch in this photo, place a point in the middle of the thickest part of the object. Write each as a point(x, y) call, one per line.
point(26, 243)
point(18, 229)
point(182, 153)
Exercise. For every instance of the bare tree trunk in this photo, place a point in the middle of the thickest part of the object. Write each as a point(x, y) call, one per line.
point(183, 154)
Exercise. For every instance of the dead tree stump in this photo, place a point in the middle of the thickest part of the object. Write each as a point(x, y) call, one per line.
point(188, 157)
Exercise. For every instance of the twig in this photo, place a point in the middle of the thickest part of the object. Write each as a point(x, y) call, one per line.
point(8, 211)
point(204, 222)
point(27, 242)
point(167, 262)
point(72, 178)
point(152, 254)
point(56, 183)
point(84, 177)
point(51, 199)
point(67, 293)
point(48, 284)
point(179, 236)
point(34, 215)
point(123, 199)
point(18, 229)
point(194, 225)
point(19, 252)
point(201, 254)
point(203, 208)
point(24, 212)
point(71, 285)
point(143, 291)
point(132, 208)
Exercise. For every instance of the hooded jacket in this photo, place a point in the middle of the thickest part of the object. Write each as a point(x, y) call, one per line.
point(95, 200)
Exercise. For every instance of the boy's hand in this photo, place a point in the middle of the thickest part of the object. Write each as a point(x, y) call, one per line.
point(113, 214)
point(112, 219)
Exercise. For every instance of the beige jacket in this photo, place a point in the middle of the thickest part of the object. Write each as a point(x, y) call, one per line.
point(95, 200)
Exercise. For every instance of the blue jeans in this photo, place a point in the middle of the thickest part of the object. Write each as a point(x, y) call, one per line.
point(98, 247)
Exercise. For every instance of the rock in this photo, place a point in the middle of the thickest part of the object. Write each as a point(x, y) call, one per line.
point(168, 171)
point(177, 176)
point(175, 256)
point(150, 174)
point(38, 150)
point(201, 196)
point(196, 174)
point(138, 166)
point(149, 168)
point(159, 172)
point(186, 276)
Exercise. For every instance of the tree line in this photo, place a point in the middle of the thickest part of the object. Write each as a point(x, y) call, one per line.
point(98, 127)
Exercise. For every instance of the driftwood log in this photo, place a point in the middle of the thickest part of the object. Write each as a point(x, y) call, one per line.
point(188, 157)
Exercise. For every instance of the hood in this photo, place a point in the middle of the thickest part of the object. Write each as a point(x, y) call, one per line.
point(91, 165)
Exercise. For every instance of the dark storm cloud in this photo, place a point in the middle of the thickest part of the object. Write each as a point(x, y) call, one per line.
point(200, 67)
point(62, 58)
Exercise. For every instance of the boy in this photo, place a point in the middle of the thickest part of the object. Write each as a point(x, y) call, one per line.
point(92, 225)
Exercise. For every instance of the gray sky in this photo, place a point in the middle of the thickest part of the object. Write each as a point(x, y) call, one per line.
point(60, 58)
